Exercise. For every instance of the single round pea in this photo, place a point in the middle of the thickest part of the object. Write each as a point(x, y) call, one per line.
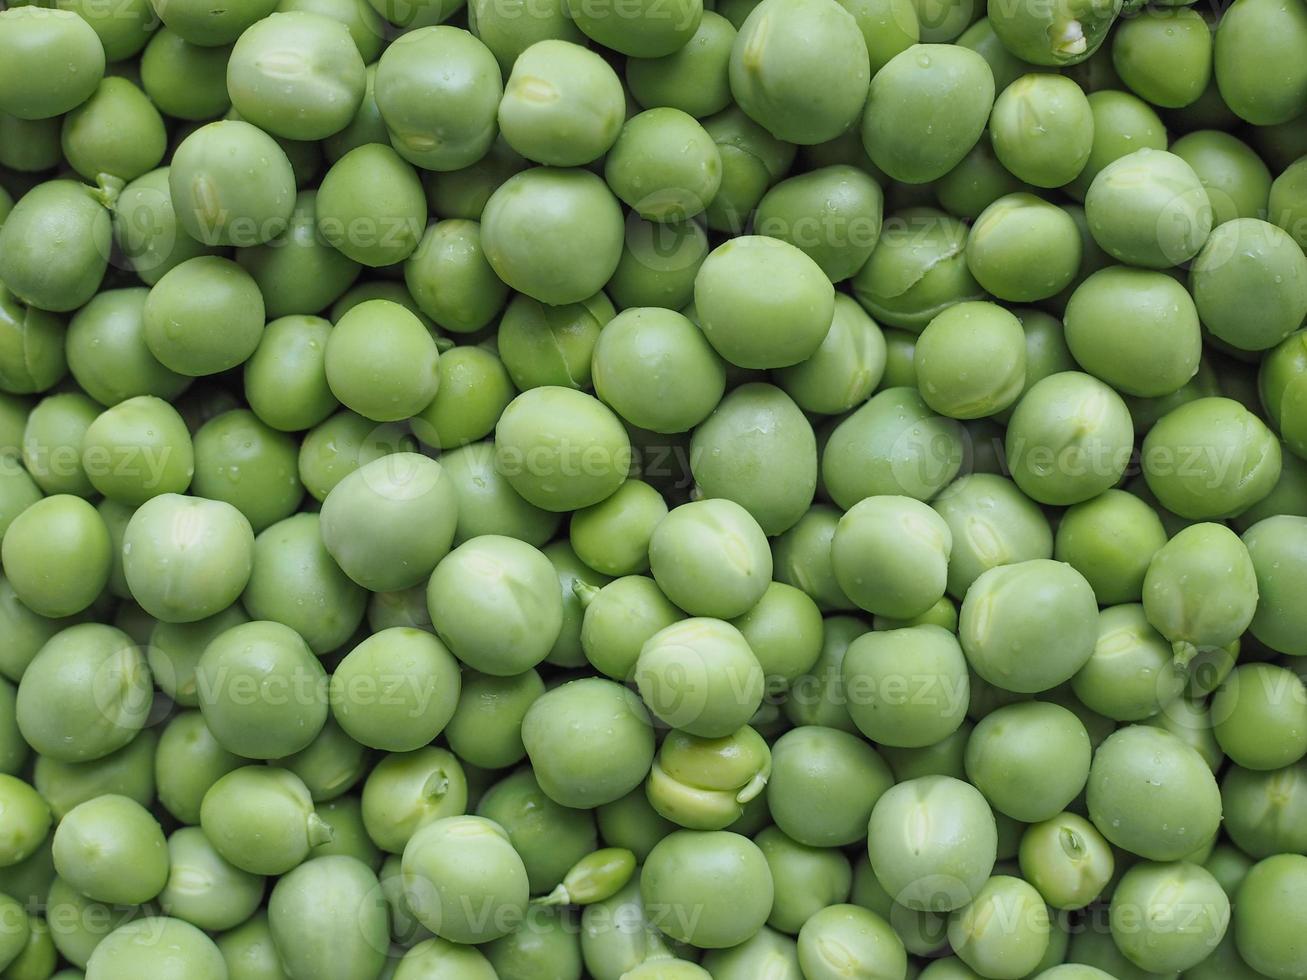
point(55, 243)
point(297, 75)
point(903, 130)
point(1259, 716)
point(701, 676)
point(763, 303)
point(551, 345)
point(811, 756)
point(1122, 124)
point(108, 355)
point(146, 230)
point(128, 772)
point(588, 772)
point(1286, 203)
point(399, 374)
point(138, 449)
point(659, 183)
point(117, 131)
point(619, 618)
point(1063, 33)
point(917, 269)
point(111, 850)
point(1149, 208)
point(1110, 540)
point(832, 214)
point(1250, 284)
point(487, 503)
point(508, 34)
point(656, 370)
point(998, 624)
point(53, 435)
point(893, 444)
point(203, 316)
point(407, 790)
point(1121, 319)
point(261, 819)
point(459, 864)
point(1152, 794)
point(693, 78)
point(1267, 939)
point(495, 601)
point(1027, 744)
point(1263, 33)
point(642, 30)
point(53, 62)
point(1069, 439)
point(1004, 930)
point(370, 206)
point(1238, 183)
point(1132, 674)
point(294, 581)
point(1263, 810)
point(154, 947)
point(434, 957)
point(613, 535)
point(992, 524)
point(27, 820)
point(187, 558)
point(841, 937)
point(473, 392)
point(1042, 129)
point(752, 160)
point(578, 460)
point(971, 360)
point(77, 924)
point(231, 184)
point(286, 379)
point(1210, 458)
point(1164, 56)
point(439, 80)
point(659, 263)
point(1182, 598)
point(553, 234)
point(451, 280)
point(185, 80)
point(722, 874)
point(261, 690)
point(1021, 248)
point(485, 728)
point(1067, 860)
point(807, 879)
point(203, 888)
point(1168, 916)
point(906, 687)
point(932, 843)
point(57, 555)
point(887, 532)
point(784, 630)
point(330, 765)
point(710, 584)
point(1274, 545)
point(563, 105)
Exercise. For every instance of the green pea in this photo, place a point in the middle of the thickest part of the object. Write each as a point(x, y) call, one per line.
point(1069, 439)
point(249, 951)
point(1259, 717)
point(917, 269)
point(656, 370)
point(469, 858)
point(451, 280)
point(368, 521)
point(203, 316)
point(1210, 458)
point(187, 558)
point(807, 879)
point(1274, 545)
point(845, 369)
point(1063, 33)
point(1042, 128)
point(27, 823)
point(286, 378)
point(884, 532)
point(752, 160)
point(152, 946)
point(810, 756)
point(1270, 34)
point(551, 345)
point(1238, 183)
point(1067, 860)
point(487, 503)
point(1149, 208)
point(704, 783)
point(970, 360)
point(261, 819)
point(997, 627)
point(53, 62)
point(710, 583)
point(661, 185)
point(642, 30)
point(56, 554)
point(1153, 915)
point(563, 105)
point(64, 230)
point(566, 258)
point(467, 88)
point(893, 444)
point(694, 78)
point(111, 850)
point(1022, 248)
point(728, 453)
point(188, 761)
point(1029, 740)
point(720, 873)
point(117, 131)
point(1152, 794)
point(370, 206)
point(580, 460)
point(128, 772)
point(613, 535)
point(948, 867)
point(583, 772)
point(1131, 674)
point(203, 889)
point(619, 618)
point(976, 182)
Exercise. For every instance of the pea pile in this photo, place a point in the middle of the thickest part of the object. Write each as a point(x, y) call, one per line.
point(543, 489)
